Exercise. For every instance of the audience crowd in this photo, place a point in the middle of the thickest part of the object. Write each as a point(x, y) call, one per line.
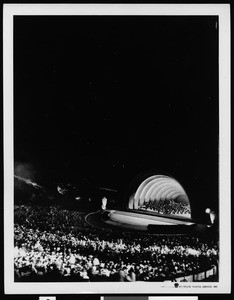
point(52, 243)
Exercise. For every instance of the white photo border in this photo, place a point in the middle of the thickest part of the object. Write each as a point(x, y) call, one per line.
point(220, 10)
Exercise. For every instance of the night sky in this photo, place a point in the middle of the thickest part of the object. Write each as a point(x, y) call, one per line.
point(106, 98)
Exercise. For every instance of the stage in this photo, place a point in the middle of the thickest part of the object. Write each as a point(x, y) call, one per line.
point(139, 221)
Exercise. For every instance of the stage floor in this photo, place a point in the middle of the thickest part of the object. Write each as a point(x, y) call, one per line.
point(132, 220)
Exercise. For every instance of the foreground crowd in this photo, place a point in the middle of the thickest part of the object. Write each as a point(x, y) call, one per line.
point(56, 244)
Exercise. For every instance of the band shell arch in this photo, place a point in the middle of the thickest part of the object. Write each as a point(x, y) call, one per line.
point(158, 188)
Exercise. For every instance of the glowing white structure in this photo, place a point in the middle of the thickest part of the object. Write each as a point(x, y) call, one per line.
point(212, 215)
point(104, 203)
point(158, 188)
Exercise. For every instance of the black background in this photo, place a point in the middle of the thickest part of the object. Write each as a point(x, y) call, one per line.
point(105, 98)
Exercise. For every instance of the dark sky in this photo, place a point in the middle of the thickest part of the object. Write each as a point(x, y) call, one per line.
point(106, 98)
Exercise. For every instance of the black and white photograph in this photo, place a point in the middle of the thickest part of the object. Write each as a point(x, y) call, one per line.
point(116, 148)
